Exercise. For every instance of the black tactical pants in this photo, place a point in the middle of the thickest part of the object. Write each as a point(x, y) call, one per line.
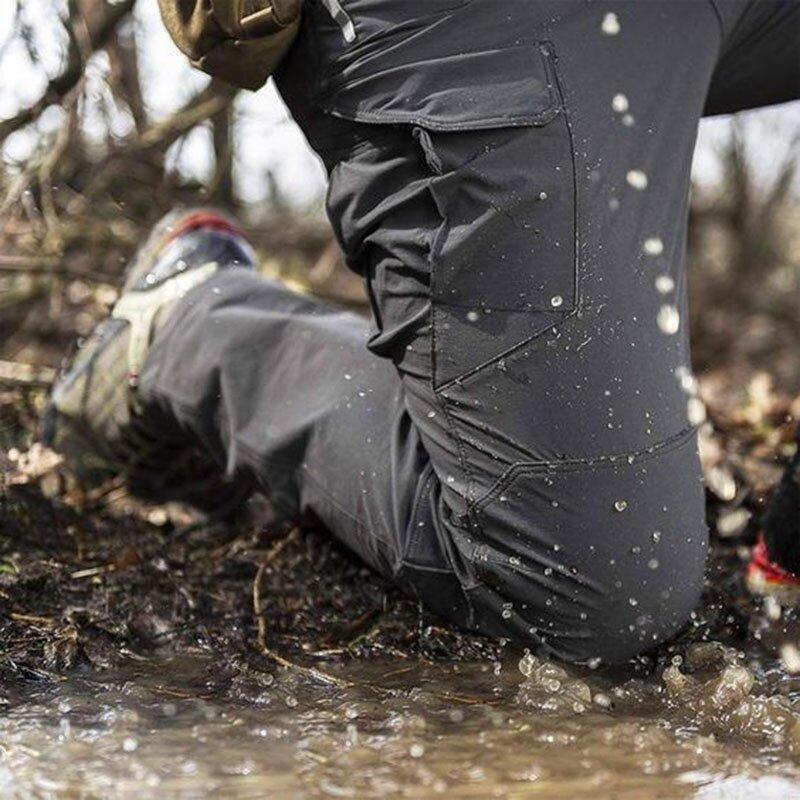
point(512, 439)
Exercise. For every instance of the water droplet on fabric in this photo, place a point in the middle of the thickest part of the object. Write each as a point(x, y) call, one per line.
point(619, 103)
point(637, 179)
point(664, 284)
point(556, 301)
point(610, 25)
point(668, 319)
point(653, 246)
point(620, 505)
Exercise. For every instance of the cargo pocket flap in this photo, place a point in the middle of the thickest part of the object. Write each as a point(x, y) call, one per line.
point(388, 74)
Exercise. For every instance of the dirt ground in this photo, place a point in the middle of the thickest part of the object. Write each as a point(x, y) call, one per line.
point(90, 578)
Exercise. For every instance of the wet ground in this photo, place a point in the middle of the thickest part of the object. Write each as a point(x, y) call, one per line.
point(148, 653)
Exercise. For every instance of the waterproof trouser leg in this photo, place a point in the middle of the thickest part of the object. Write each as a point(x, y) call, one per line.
point(511, 437)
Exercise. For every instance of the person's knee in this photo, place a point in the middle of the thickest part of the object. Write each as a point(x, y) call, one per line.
point(593, 563)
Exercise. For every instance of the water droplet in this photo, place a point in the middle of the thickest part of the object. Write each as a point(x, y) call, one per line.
point(543, 195)
point(664, 284)
point(620, 505)
point(653, 246)
point(348, 376)
point(637, 179)
point(556, 301)
point(431, 414)
point(129, 745)
point(526, 664)
point(790, 656)
point(620, 103)
point(628, 120)
point(416, 751)
point(473, 316)
point(653, 563)
point(668, 319)
point(451, 479)
point(695, 411)
point(656, 536)
point(633, 601)
point(506, 613)
point(610, 25)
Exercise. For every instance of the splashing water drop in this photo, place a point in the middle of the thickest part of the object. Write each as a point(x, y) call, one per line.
point(637, 179)
point(526, 664)
point(610, 25)
point(790, 657)
point(653, 246)
point(664, 284)
point(620, 103)
point(695, 411)
point(668, 320)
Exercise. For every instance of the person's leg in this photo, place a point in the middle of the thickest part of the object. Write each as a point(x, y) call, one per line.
point(759, 62)
point(521, 456)
point(511, 179)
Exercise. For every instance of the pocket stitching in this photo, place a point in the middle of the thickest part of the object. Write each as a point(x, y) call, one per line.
point(522, 468)
point(536, 119)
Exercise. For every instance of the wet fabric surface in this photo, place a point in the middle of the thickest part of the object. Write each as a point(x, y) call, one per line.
point(511, 437)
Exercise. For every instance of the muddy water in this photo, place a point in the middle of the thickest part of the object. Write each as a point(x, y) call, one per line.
point(710, 726)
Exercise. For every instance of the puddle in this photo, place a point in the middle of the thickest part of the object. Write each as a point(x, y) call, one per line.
point(710, 727)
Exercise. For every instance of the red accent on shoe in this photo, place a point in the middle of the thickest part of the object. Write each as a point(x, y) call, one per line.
point(763, 568)
point(203, 219)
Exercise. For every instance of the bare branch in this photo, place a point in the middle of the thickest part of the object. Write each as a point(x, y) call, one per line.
point(98, 27)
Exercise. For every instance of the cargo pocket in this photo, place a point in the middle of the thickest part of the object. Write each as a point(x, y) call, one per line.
point(504, 259)
point(492, 128)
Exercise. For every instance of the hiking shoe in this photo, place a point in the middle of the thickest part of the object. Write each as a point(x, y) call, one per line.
point(765, 577)
point(774, 567)
point(95, 416)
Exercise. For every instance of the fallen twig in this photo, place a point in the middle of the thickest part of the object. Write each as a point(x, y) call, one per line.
point(15, 373)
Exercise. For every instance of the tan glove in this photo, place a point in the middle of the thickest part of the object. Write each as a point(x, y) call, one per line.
point(238, 41)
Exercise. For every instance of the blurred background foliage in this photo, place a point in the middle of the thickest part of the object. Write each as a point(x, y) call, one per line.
point(103, 127)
